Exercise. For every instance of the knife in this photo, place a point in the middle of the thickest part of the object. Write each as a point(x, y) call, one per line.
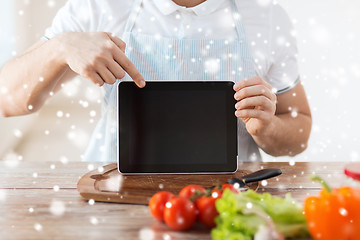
point(256, 176)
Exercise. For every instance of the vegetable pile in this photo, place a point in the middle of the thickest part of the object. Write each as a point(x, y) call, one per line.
point(236, 215)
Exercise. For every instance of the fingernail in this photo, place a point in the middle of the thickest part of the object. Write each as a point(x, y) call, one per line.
point(236, 85)
point(142, 83)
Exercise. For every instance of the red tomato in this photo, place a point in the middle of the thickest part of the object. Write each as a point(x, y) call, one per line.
point(207, 211)
point(157, 204)
point(180, 213)
point(190, 190)
point(229, 186)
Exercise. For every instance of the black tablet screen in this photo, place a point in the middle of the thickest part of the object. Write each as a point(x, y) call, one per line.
point(177, 127)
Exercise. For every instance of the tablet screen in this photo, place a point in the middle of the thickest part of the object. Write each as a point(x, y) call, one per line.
point(177, 127)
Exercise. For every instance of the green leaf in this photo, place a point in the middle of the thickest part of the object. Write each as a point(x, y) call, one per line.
point(240, 215)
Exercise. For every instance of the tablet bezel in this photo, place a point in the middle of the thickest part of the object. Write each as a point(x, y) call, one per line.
point(231, 164)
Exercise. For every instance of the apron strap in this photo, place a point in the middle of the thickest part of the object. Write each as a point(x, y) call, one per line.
point(237, 20)
point(133, 15)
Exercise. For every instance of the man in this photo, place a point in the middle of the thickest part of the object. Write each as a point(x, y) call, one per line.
point(239, 40)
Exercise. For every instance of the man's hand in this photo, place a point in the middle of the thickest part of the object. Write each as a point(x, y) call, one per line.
point(99, 57)
point(256, 104)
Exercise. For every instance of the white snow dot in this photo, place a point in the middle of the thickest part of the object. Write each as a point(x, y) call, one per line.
point(35, 175)
point(85, 104)
point(253, 157)
point(212, 66)
point(166, 236)
point(59, 114)
point(161, 186)
point(249, 205)
point(57, 208)
point(52, 166)
point(56, 188)
point(47, 132)
point(94, 220)
point(100, 169)
point(343, 212)
point(168, 205)
point(38, 227)
point(21, 12)
point(64, 160)
point(294, 114)
point(30, 107)
point(90, 167)
point(31, 210)
point(291, 162)
point(215, 195)
point(51, 3)
point(4, 90)
point(91, 202)
point(92, 113)
point(12, 159)
point(146, 234)
point(17, 133)
point(41, 79)
point(264, 183)
point(2, 195)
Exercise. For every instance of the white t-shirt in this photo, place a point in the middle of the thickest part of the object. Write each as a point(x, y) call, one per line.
point(268, 28)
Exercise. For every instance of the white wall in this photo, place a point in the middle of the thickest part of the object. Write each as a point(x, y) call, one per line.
point(22, 23)
point(7, 41)
point(329, 52)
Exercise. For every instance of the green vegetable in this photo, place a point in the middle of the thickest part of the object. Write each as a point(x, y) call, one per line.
point(241, 215)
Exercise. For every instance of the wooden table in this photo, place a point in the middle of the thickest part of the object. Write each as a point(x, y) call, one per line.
point(40, 201)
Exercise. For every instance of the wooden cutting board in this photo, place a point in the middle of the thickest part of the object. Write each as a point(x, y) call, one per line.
point(111, 186)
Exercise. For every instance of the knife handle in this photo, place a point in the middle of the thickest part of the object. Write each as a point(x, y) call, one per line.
point(261, 175)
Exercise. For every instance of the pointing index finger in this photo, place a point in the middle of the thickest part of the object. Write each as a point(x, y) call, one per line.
point(130, 68)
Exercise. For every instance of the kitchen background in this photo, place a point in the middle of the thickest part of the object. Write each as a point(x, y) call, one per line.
point(328, 33)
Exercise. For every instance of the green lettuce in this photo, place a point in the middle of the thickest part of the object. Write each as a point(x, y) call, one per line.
point(241, 215)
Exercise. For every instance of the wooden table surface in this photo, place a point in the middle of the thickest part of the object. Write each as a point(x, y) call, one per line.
point(39, 200)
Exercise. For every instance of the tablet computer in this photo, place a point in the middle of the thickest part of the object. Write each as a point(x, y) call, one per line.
point(177, 127)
